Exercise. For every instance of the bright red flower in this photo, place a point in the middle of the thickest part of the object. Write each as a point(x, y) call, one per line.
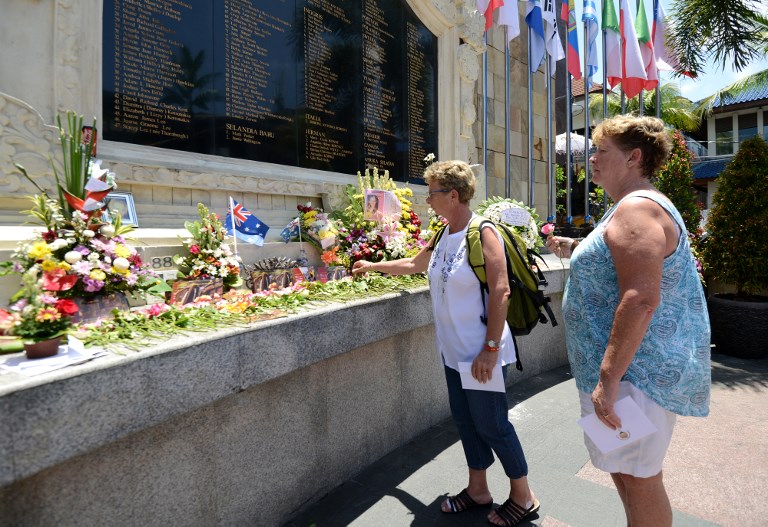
point(65, 306)
point(58, 280)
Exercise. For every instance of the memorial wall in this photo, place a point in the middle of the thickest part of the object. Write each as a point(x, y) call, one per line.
point(335, 85)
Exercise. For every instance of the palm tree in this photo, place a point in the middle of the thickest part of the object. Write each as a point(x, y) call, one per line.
point(757, 80)
point(717, 28)
point(676, 110)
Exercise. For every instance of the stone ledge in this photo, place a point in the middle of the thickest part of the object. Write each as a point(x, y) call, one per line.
point(54, 417)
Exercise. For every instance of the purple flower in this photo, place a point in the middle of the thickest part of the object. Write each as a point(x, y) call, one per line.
point(92, 285)
point(82, 249)
point(82, 267)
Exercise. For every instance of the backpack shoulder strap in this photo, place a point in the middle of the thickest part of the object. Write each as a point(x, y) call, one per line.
point(436, 238)
point(475, 254)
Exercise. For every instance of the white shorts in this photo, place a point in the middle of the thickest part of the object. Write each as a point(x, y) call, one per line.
point(643, 458)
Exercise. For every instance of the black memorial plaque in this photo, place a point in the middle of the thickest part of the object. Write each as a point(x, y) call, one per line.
point(337, 85)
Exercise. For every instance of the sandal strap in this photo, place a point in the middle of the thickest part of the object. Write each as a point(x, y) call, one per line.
point(511, 513)
point(461, 502)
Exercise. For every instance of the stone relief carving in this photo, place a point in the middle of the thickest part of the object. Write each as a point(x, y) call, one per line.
point(447, 8)
point(472, 26)
point(67, 54)
point(25, 139)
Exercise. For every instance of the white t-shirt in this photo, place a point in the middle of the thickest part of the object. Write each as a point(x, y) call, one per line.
point(457, 305)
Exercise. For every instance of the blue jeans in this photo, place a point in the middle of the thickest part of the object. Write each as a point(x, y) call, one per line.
point(484, 428)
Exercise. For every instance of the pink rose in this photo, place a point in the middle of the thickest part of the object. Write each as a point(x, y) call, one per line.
point(547, 229)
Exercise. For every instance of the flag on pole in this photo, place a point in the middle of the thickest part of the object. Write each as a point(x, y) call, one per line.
point(508, 17)
point(552, 35)
point(591, 29)
point(247, 227)
point(665, 59)
point(536, 30)
point(646, 48)
point(632, 69)
point(612, 44)
point(568, 15)
point(487, 7)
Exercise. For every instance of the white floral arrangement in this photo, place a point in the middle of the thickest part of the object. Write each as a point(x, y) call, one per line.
point(494, 209)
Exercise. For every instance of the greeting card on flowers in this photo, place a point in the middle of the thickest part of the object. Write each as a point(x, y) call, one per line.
point(496, 384)
point(381, 205)
point(635, 425)
point(516, 216)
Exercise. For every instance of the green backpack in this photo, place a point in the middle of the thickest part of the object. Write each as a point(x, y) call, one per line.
point(526, 301)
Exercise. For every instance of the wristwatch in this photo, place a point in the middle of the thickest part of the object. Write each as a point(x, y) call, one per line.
point(491, 344)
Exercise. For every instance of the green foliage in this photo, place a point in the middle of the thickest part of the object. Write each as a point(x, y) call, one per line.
point(738, 222)
point(76, 157)
point(675, 180)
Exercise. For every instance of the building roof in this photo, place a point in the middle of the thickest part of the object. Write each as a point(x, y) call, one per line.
point(754, 94)
point(710, 168)
point(577, 88)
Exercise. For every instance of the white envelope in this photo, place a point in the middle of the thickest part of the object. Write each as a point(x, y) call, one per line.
point(496, 384)
point(634, 425)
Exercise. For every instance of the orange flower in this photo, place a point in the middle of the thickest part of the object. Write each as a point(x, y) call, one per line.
point(330, 257)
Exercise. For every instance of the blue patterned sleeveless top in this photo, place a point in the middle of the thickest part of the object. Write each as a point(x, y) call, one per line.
point(672, 364)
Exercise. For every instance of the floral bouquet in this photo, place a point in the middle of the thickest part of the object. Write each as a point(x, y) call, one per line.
point(312, 225)
point(207, 254)
point(368, 240)
point(523, 219)
point(38, 315)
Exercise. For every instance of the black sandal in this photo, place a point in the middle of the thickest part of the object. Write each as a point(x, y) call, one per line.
point(461, 502)
point(511, 513)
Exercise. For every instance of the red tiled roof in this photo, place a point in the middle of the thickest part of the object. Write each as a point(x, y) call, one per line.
point(577, 88)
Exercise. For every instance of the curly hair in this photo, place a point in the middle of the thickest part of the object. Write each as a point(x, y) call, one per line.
point(453, 175)
point(646, 133)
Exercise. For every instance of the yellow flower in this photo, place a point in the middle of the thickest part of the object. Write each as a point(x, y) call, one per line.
point(121, 251)
point(115, 270)
point(47, 314)
point(97, 274)
point(48, 265)
point(65, 266)
point(39, 251)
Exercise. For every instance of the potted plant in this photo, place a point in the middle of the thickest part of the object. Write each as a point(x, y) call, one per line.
point(42, 318)
point(735, 253)
point(208, 267)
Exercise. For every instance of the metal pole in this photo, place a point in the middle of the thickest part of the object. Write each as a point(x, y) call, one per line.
point(507, 100)
point(550, 149)
point(531, 165)
point(485, 113)
point(605, 104)
point(568, 129)
point(658, 91)
point(587, 217)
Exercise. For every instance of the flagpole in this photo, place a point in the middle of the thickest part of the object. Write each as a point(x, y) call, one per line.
point(568, 126)
point(531, 166)
point(587, 217)
point(658, 86)
point(485, 113)
point(605, 100)
point(507, 100)
point(550, 172)
point(232, 221)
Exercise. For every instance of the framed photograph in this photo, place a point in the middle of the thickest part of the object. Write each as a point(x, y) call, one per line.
point(123, 203)
point(186, 291)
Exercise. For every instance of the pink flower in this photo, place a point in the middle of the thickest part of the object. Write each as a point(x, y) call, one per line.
point(194, 249)
point(547, 229)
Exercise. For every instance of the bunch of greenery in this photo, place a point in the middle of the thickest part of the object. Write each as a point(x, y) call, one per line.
point(735, 250)
point(675, 180)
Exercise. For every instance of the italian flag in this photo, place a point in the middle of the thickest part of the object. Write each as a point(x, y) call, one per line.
point(612, 44)
point(632, 68)
point(645, 41)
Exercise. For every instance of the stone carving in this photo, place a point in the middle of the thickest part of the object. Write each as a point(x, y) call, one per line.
point(447, 8)
point(469, 68)
point(472, 26)
point(25, 139)
point(67, 54)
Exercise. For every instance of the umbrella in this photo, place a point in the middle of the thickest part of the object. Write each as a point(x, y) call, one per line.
point(577, 143)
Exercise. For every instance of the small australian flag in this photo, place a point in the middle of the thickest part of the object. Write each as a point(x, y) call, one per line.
point(248, 227)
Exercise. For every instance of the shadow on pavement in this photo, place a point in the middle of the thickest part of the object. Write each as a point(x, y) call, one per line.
point(346, 503)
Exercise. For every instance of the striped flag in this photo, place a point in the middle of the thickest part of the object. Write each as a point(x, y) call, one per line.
point(665, 59)
point(646, 48)
point(612, 44)
point(552, 35)
point(568, 15)
point(591, 29)
point(632, 69)
point(487, 7)
point(509, 17)
point(536, 31)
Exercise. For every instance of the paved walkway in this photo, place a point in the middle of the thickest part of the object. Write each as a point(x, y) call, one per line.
point(716, 469)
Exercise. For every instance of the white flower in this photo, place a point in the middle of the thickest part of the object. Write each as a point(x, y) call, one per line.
point(107, 230)
point(93, 257)
point(58, 243)
point(121, 264)
point(88, 233)
point(73, 257)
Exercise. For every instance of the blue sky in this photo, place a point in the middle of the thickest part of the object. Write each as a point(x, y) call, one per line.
point(713, 78)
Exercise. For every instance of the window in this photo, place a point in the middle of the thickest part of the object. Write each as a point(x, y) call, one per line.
point(747, 126)
point(765, 126)
point(724, 136)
